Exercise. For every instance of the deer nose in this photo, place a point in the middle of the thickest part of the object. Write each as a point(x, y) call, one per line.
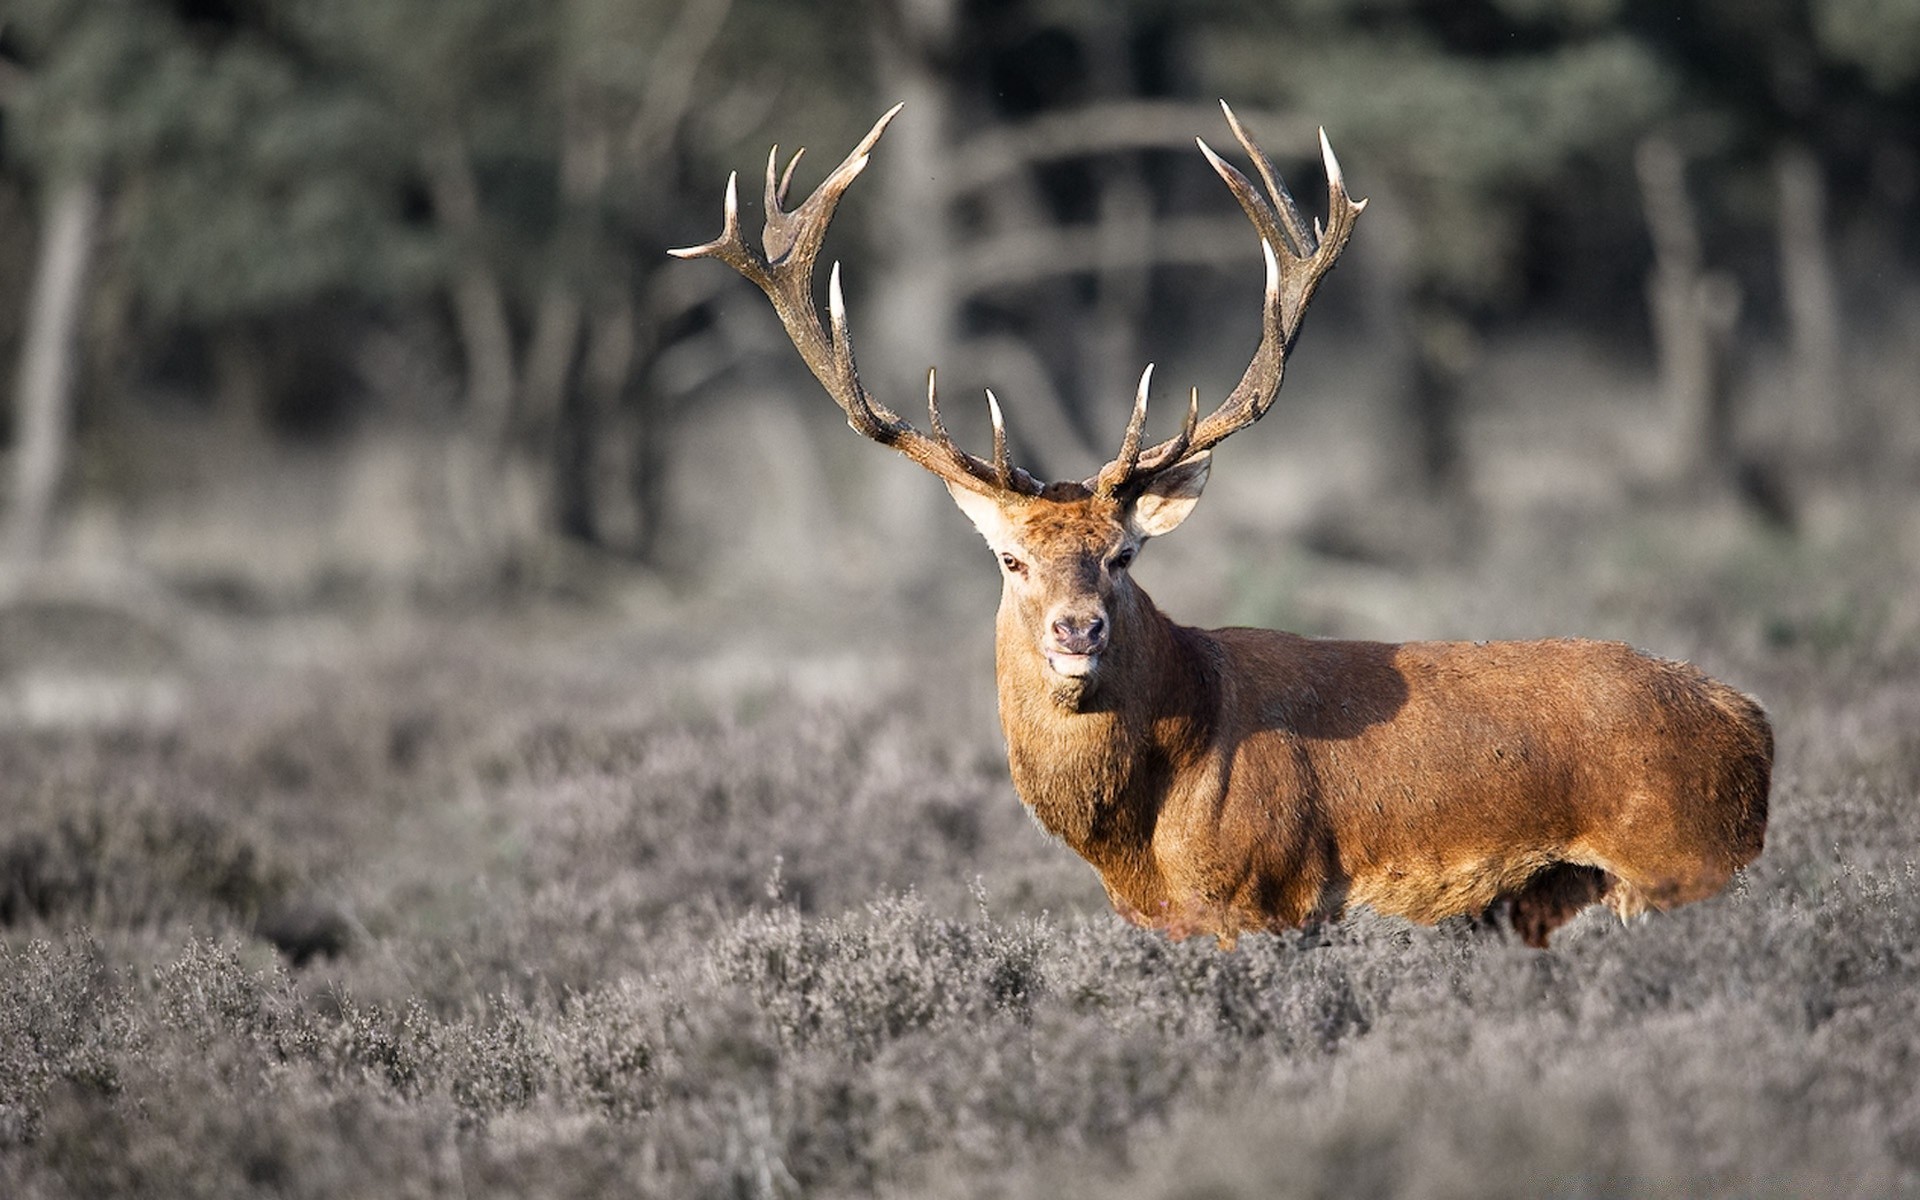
point(1081, 635)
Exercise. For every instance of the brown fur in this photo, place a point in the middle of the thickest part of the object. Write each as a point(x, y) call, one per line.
point(1246, 779)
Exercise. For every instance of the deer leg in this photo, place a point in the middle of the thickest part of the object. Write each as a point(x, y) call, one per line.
point(1629, 898)
point(1552, 898)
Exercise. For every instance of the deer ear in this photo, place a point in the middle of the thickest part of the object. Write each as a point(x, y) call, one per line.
point(1170, 496)
point(983, 510)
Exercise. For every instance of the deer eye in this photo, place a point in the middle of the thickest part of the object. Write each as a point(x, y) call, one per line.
point(1123, 560)
point(1013, 565)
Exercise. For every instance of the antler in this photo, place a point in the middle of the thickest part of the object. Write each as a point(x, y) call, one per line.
point(1297, 258)
point(784, 271)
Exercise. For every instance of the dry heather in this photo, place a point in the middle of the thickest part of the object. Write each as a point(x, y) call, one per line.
point(551, 905)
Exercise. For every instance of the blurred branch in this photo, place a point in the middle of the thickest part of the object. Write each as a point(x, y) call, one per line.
point(669, 93)
point(1104, 128)
point(1122, 288)
point(12, 79)
point(1028, 255)
point(688, 362)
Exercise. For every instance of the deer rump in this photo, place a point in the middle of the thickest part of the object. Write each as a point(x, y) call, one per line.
point(1429, 780)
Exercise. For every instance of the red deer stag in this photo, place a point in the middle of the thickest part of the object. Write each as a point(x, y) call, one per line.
point(1246, 779)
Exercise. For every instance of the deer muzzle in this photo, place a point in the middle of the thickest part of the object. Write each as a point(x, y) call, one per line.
point(1074, 643)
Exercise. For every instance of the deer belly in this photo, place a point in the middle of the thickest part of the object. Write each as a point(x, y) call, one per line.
point(1431, 890)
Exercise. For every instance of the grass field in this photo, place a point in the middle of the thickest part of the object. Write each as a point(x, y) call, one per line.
point(546, 900)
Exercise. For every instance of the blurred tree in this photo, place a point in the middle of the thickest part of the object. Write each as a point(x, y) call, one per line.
point(76, 160)
point(1785, 97)
point(1475, 119)
point(1880, 37)
point(271, 187)
point(44, 390)
point(465, 87)
point(1694, 310)
point(1780, 100)
point(241, 188)
point(268, 161)
point(549, 137)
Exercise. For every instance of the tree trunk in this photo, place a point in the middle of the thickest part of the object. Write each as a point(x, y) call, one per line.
point(1694, 313)
point(479, 307)
point(916, 321)
point(1429, 348)
point(43, 391)
point(496, 503)
point(1124, 221)
point(1445, 346)
point(551, 414)
point(549, 371)
point(1812, 306)
point(610, 461)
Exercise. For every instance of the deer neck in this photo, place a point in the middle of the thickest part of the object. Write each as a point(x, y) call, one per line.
point(1083, 758)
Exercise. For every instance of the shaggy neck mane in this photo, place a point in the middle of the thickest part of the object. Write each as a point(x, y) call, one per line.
point(1091, 760)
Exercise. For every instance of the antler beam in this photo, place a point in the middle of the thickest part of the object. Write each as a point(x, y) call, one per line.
point(1297, 257)
point(783, 269)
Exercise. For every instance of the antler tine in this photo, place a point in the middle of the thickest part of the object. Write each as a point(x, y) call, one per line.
point(1296, 259)
point(1342, 212)
point(783, 269)
point(1299, 240)
point(938, 426)
point(863, 416)
point(1265, 221)
point(1003, 469)
point(933, 411)
point(730, 247)
point(1117, 473)
point(1178, 446)
point(786, 177)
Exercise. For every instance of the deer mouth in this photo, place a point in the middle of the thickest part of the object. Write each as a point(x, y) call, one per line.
point(1070, 665)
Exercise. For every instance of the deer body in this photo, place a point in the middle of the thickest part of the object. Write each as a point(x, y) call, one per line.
point(1248, 779)
point(1229, 780)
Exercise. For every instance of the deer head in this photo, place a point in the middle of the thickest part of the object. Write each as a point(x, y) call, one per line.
point(1068, 605)
point(1067, 598)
